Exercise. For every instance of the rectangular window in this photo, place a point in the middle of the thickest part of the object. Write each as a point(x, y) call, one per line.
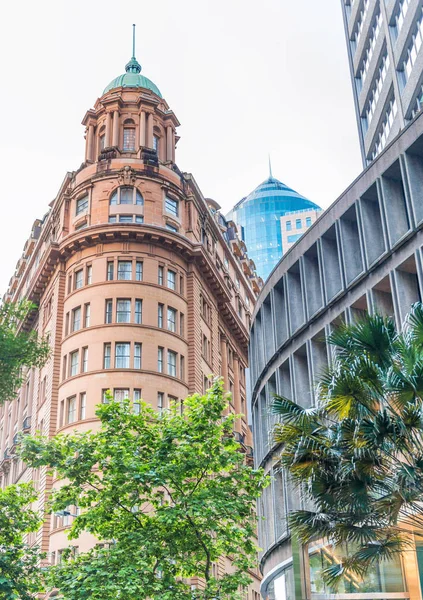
point(288, 226)
point(67, 324)
point(171, 279)
point(181, 324)
point(76, 319)
point(89, 275)
point(137, 356)
point(71, 412)
point(172, 207)
point(182, 373)
point(82, 406)
point(308, 221)
point(171, 228)
point(160, 402)
point(139, 219)
point(107, 356)
point(120, 394)
point(138, 271)
point(87, 316)
point(171, 363)
point(84, 360)
point(112, 219)
point(126, 195)
point(137, 401)
point(138, 312)
point(109, 311)
point(171, 319)
point(128, 139)
point(160, 360)
point(123, 311)
point(122, 355)
point(156, 143)
point(161, 273)
point(160, 316)
point(79, 279)
point(298, 224)
point(74, 359)
point(110, 270)
point(124, 270)
point(181, 285)
point(125, 218)
point(81, 205)
point(64, 368)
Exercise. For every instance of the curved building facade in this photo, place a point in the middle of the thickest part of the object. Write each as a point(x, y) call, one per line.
point(142, 286)
point(365, 253)
point(258, 216)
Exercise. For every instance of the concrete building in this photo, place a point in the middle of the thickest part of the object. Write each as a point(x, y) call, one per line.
point(143, 287)
point(384, 39)
point(294, 224)
point(257, 217)
point(365, 253)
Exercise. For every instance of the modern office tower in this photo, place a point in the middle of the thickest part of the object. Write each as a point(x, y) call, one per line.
point(364, 254)
point(142, 285)
point(384, 39)
point(295, 223)
point(258, 219)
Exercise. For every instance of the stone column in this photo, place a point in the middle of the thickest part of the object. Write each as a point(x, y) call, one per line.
point(149, 130)
point(90, 143)
point(115, 128)
point(237, 394)
point(108, 133)
point(173, 146)
point(142, 128)
point(169, 139)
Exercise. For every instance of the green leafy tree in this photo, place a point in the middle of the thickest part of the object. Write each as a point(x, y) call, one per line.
point(20, 576)
point(18, 348)
point(166, 494)
point(357, 456)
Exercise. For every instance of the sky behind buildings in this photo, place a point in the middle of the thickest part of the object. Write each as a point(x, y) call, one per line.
point(245, 78)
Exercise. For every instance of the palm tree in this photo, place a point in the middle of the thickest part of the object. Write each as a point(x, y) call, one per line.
point(358, 454)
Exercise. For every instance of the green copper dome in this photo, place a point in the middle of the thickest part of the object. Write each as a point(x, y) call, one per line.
point(133, 79)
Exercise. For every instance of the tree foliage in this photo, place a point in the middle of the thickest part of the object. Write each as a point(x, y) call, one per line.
point(358, 454)
point(18, 348)
point(169, 493)
point(19, 572)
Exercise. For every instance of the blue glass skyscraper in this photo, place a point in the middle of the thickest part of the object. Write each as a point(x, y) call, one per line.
point(258, 217)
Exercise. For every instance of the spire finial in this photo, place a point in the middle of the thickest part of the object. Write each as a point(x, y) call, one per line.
point(133, 66)
point(270, 169)
point(133, 40)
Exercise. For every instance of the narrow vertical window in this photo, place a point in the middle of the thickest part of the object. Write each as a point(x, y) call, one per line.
point(171, 279)
point(171, 319)
point(138, 312)
point(110, 270)
point(76, 319)
point(109, 311)
point(172, 207)
point(71, 412)
point(128, 139)
point(182, 372)
point(82, 406)
point(171, 363)
point(87, 309)
point(84, 360)
point(181, 324)
point(160, 360)
point(74, 359)
point(160, 277)
point(107, 356)
point(160, 402)
point(137, 356)
point(160, 316)
point(81, 205)
point(89, 275)
point(126, 195)
point(137, 401)
point(138, 270)
point(79, 279)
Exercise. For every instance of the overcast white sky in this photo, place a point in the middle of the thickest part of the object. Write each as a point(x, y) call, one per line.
point(245, 78)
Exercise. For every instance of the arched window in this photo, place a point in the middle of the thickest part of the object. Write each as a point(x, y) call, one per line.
point(126, 195)
point(129, 135)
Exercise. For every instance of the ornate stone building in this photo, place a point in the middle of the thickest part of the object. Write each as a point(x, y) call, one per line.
point(143, 287)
